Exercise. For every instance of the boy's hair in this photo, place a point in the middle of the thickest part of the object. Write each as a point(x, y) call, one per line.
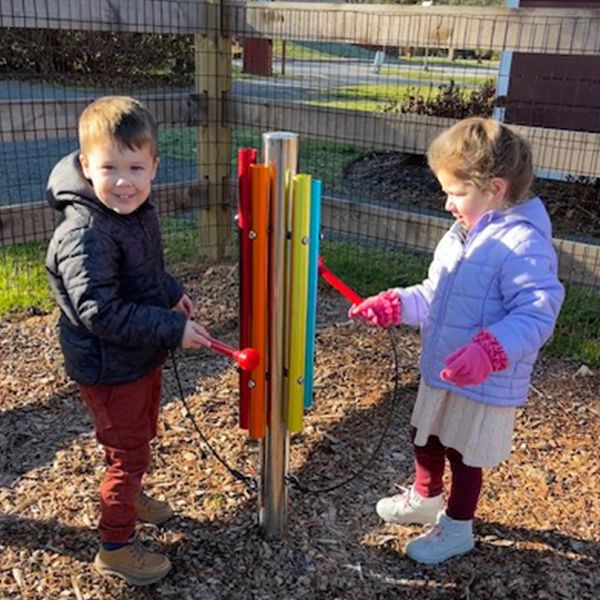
point(478, 150)
point(118, 118)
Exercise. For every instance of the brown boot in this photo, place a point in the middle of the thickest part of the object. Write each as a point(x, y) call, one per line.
point(133, 563)
point(152, 511)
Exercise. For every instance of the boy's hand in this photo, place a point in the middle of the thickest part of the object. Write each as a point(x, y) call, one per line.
point(185, 306)
point(195, 336)
point(381, 310)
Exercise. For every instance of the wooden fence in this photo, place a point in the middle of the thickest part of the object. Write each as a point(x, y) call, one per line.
point(215, 111)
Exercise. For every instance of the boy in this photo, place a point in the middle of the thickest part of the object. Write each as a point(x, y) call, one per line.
point(120, 313)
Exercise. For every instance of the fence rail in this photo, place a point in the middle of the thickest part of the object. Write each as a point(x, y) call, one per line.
point(139, 16)
point(542, 30)
point(25, 119)
point(211, 103)
point(578, 262)
point(35, 221)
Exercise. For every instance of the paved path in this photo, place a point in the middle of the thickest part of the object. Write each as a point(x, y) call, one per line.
point(24, 166)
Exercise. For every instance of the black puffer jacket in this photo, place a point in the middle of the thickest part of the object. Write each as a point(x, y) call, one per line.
point(108, 276)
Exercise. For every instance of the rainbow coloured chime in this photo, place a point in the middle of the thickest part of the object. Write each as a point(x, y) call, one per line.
point(302, 216)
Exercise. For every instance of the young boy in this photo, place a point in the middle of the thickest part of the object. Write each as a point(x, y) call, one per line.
point(120, 313)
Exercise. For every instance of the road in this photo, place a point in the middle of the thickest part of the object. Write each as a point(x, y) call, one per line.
point(24, 166)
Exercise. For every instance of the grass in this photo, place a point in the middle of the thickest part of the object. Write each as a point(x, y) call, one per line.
point(370, 270)
point(321, 51)
point(374, 97)
point(577, 333)
point(323, 160)
point(365, 105)
point(370, 97)
point(23, 283)
point(442, 61)
point(437, 77)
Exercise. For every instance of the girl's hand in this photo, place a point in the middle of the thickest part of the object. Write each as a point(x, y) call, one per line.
point(381, 310)
point(474, 362)
point(195, 336)
point(185, 306)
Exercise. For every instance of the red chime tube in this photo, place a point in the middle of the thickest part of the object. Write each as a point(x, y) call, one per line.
point(246, 157)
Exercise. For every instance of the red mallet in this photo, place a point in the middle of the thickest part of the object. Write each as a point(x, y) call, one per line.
point(337, 283)
point(247, 358)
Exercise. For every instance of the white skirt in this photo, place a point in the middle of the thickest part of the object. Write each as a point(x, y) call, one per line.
point(482, 433)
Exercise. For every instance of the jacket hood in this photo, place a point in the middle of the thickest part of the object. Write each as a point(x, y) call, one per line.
point(533, 212)
point(67, 185)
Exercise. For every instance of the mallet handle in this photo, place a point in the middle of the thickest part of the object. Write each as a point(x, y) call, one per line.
point(337, 283)
point(222, 348)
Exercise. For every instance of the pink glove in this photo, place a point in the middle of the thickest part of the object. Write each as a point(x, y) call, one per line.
point(382, 310)
point(473, 363)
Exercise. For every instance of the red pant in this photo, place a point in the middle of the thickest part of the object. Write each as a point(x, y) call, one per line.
point(466, 481)
point(125, 418)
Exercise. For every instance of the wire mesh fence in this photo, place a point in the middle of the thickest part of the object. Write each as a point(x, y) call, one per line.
point(366, 88)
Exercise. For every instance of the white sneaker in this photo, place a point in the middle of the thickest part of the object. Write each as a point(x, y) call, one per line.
point(409, 507)
point(447, 538)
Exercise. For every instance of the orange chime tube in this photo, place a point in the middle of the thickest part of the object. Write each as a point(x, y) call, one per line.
point(260, 178)
point(246, 157)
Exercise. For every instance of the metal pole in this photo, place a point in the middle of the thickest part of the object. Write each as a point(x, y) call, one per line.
point(281, 151)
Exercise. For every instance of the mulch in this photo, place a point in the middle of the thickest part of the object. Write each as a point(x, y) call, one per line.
point(401, 178)
point(538, 527)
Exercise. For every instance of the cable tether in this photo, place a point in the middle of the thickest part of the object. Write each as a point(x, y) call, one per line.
point(292, 480)
point(248, 481)
point(295, 483)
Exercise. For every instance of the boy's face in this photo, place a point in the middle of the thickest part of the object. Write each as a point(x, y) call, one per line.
point(466, 202)
point(122, 178)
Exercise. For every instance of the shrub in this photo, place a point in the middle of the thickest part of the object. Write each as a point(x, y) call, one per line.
point(90, 56)
point(450, 101)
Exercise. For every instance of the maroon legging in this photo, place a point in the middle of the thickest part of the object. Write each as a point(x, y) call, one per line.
point(429, 470)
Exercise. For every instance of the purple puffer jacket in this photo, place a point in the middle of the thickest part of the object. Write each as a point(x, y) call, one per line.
point(503, 279)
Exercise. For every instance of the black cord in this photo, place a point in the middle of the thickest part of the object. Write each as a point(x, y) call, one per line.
point(295, 483)
point(292, 480)
point(250, 482)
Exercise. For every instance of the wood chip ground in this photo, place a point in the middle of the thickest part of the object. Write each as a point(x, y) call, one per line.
point(538, 527)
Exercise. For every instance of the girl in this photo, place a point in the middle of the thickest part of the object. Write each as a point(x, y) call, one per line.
point(490, 301)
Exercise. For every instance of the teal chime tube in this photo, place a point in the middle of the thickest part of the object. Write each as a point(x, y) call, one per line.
point(313, 276)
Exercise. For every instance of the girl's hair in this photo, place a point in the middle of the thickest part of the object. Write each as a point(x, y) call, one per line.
point(478, 150)
point(119, 118)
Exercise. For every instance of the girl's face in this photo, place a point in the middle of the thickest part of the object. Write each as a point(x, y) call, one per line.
point(121, 177)
point(466, 202)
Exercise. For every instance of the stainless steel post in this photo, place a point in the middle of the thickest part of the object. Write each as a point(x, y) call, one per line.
point(281, 151)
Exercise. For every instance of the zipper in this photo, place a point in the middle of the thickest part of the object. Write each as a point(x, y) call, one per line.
point(436, 333)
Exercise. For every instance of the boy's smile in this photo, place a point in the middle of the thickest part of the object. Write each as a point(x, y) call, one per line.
point(121, 177)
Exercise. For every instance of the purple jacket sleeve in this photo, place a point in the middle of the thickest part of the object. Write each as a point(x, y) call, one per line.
point(416, 299)
point(532, 296)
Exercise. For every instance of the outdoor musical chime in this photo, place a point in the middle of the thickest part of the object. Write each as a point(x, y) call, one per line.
point(278, 217)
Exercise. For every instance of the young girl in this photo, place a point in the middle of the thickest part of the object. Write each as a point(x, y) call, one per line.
point(490, 301)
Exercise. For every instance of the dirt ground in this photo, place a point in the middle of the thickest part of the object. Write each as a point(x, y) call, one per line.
point(396, 177)
point(538, 527)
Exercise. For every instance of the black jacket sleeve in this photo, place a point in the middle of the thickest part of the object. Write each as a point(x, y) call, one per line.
point(88, 264)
